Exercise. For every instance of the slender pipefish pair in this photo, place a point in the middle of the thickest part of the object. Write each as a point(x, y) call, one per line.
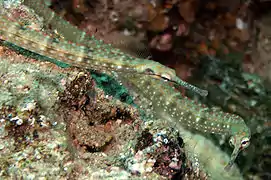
point(95, 55)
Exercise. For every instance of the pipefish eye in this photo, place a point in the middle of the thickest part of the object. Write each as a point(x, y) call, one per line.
point(231, 142)
point(245, 142)
point(149, 71)
point(166, 76)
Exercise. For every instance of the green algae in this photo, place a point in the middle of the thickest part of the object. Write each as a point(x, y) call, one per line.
point(111, 87)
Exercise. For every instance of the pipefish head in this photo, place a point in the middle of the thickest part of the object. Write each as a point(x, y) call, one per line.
point(160, 71)
point(239, 141)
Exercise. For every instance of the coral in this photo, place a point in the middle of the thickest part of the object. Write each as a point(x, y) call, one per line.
point(93, 119)
point(78, 131)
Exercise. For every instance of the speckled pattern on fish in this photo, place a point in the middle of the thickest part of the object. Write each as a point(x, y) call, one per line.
point(164, 98)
